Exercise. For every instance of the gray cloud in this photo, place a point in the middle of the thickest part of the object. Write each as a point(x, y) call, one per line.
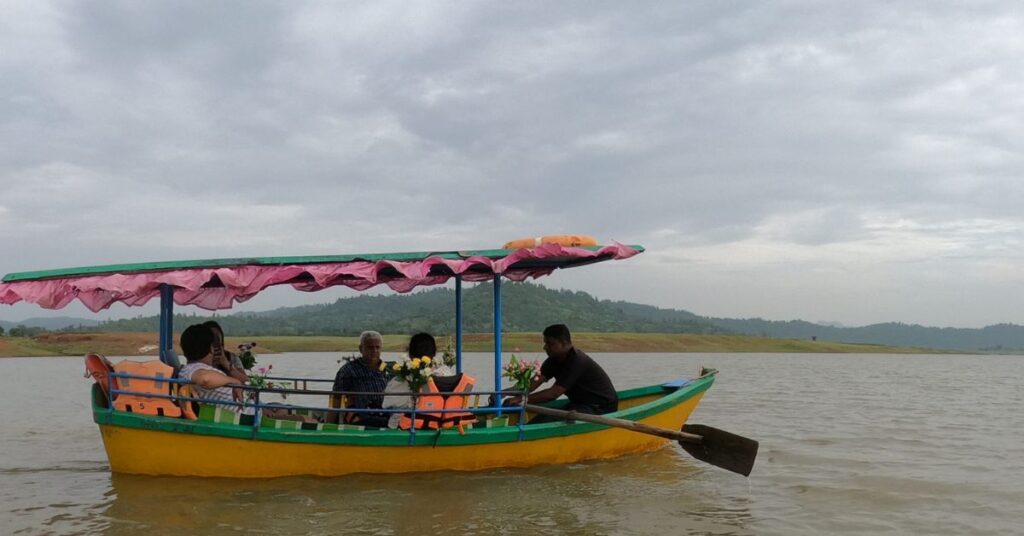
point(749, 146)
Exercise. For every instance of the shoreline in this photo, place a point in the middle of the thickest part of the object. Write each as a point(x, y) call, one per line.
point(132, 344)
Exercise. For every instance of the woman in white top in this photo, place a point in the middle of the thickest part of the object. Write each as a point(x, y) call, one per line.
point(420, 345)
point(210, 383)
point(227, 362)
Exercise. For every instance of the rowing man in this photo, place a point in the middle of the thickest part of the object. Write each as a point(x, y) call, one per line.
point(576, 375)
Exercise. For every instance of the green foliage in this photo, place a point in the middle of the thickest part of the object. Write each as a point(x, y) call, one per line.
point(22, 331)
point(246, 356)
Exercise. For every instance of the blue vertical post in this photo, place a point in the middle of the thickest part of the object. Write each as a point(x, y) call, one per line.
point(458, 323)
point(167, 354)
point(497, 337)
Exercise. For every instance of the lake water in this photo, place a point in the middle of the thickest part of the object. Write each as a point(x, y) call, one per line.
point(850, 444)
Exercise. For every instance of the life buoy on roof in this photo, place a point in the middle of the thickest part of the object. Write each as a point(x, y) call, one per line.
point(561, 240)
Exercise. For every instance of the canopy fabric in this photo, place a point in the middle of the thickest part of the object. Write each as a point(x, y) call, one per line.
point(218, 284)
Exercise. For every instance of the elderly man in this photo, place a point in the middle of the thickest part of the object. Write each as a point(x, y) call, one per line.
point(363, 375)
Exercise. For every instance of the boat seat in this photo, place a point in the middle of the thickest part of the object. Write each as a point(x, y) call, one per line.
point(189, 408)
point(97, 366)
point(141, 403)
point(217, 414)
point(337, 402)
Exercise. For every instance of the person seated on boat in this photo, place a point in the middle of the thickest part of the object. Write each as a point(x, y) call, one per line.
point(362, 375)
point(576, 375)
point(227, 362)
point(420, 345)
point(210, 383)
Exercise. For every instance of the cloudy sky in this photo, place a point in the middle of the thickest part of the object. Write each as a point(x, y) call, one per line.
point(855, 162)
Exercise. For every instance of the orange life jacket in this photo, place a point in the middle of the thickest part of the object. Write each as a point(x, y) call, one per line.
point(145, 405)
point(99, 368)
point(427, 405)
point(188, 407)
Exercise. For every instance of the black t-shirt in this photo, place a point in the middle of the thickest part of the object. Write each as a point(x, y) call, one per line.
point(584, 381)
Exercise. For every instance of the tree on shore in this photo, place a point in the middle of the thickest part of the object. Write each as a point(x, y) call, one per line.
point(1, 331)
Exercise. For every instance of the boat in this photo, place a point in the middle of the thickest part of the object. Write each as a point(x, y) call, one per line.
point(218, 443)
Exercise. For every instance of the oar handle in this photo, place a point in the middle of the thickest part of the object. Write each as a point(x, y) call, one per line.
point(617, 423)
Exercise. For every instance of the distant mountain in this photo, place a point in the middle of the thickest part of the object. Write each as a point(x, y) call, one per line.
point(526, 307)
point(997, 338)
point(52, 324)
point(529, 307)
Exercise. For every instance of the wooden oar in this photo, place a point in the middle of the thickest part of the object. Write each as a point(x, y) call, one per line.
point(717, 447)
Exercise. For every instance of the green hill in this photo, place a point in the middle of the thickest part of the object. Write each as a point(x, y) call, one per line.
point(526, 307)
point(1002, 338)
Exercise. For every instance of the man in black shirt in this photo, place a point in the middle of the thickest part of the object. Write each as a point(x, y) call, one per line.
point(576, 375)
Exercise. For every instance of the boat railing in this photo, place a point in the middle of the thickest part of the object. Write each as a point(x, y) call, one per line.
point(258, 405)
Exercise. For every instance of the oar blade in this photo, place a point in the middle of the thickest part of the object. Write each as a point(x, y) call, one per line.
point(721, 449)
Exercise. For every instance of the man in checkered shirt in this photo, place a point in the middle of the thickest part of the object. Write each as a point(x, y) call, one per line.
point(363, 375)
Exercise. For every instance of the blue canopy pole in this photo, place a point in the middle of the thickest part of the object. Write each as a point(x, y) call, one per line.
point(458, 323)
point(497, 338)
point(167, 354)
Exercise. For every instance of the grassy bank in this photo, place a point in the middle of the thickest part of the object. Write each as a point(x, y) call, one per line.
point(57, 344)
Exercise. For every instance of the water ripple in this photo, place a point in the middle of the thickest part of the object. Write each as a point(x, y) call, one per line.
point(849, 445)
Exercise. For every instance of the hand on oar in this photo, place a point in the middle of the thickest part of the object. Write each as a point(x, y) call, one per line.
point(711, 445)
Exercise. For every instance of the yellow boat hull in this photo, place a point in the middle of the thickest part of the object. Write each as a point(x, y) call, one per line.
point(138, 450)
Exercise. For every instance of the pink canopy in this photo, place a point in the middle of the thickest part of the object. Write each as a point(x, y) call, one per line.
point(219, 287)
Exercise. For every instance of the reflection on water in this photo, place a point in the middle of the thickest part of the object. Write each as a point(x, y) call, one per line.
point(583, 499)
point(849, 444)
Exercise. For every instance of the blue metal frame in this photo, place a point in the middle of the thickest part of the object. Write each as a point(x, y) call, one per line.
point(458, 324)
point(167, 354)
point(497, 340)
point(260, 406)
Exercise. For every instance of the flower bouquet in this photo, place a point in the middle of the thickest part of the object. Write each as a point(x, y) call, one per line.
point(246, 355)
point(448, 353)
point(521, 373)
point(258, 378)
point(414, 372)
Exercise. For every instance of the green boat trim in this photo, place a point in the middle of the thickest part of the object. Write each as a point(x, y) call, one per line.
point(378, 438)
point(143, 267)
